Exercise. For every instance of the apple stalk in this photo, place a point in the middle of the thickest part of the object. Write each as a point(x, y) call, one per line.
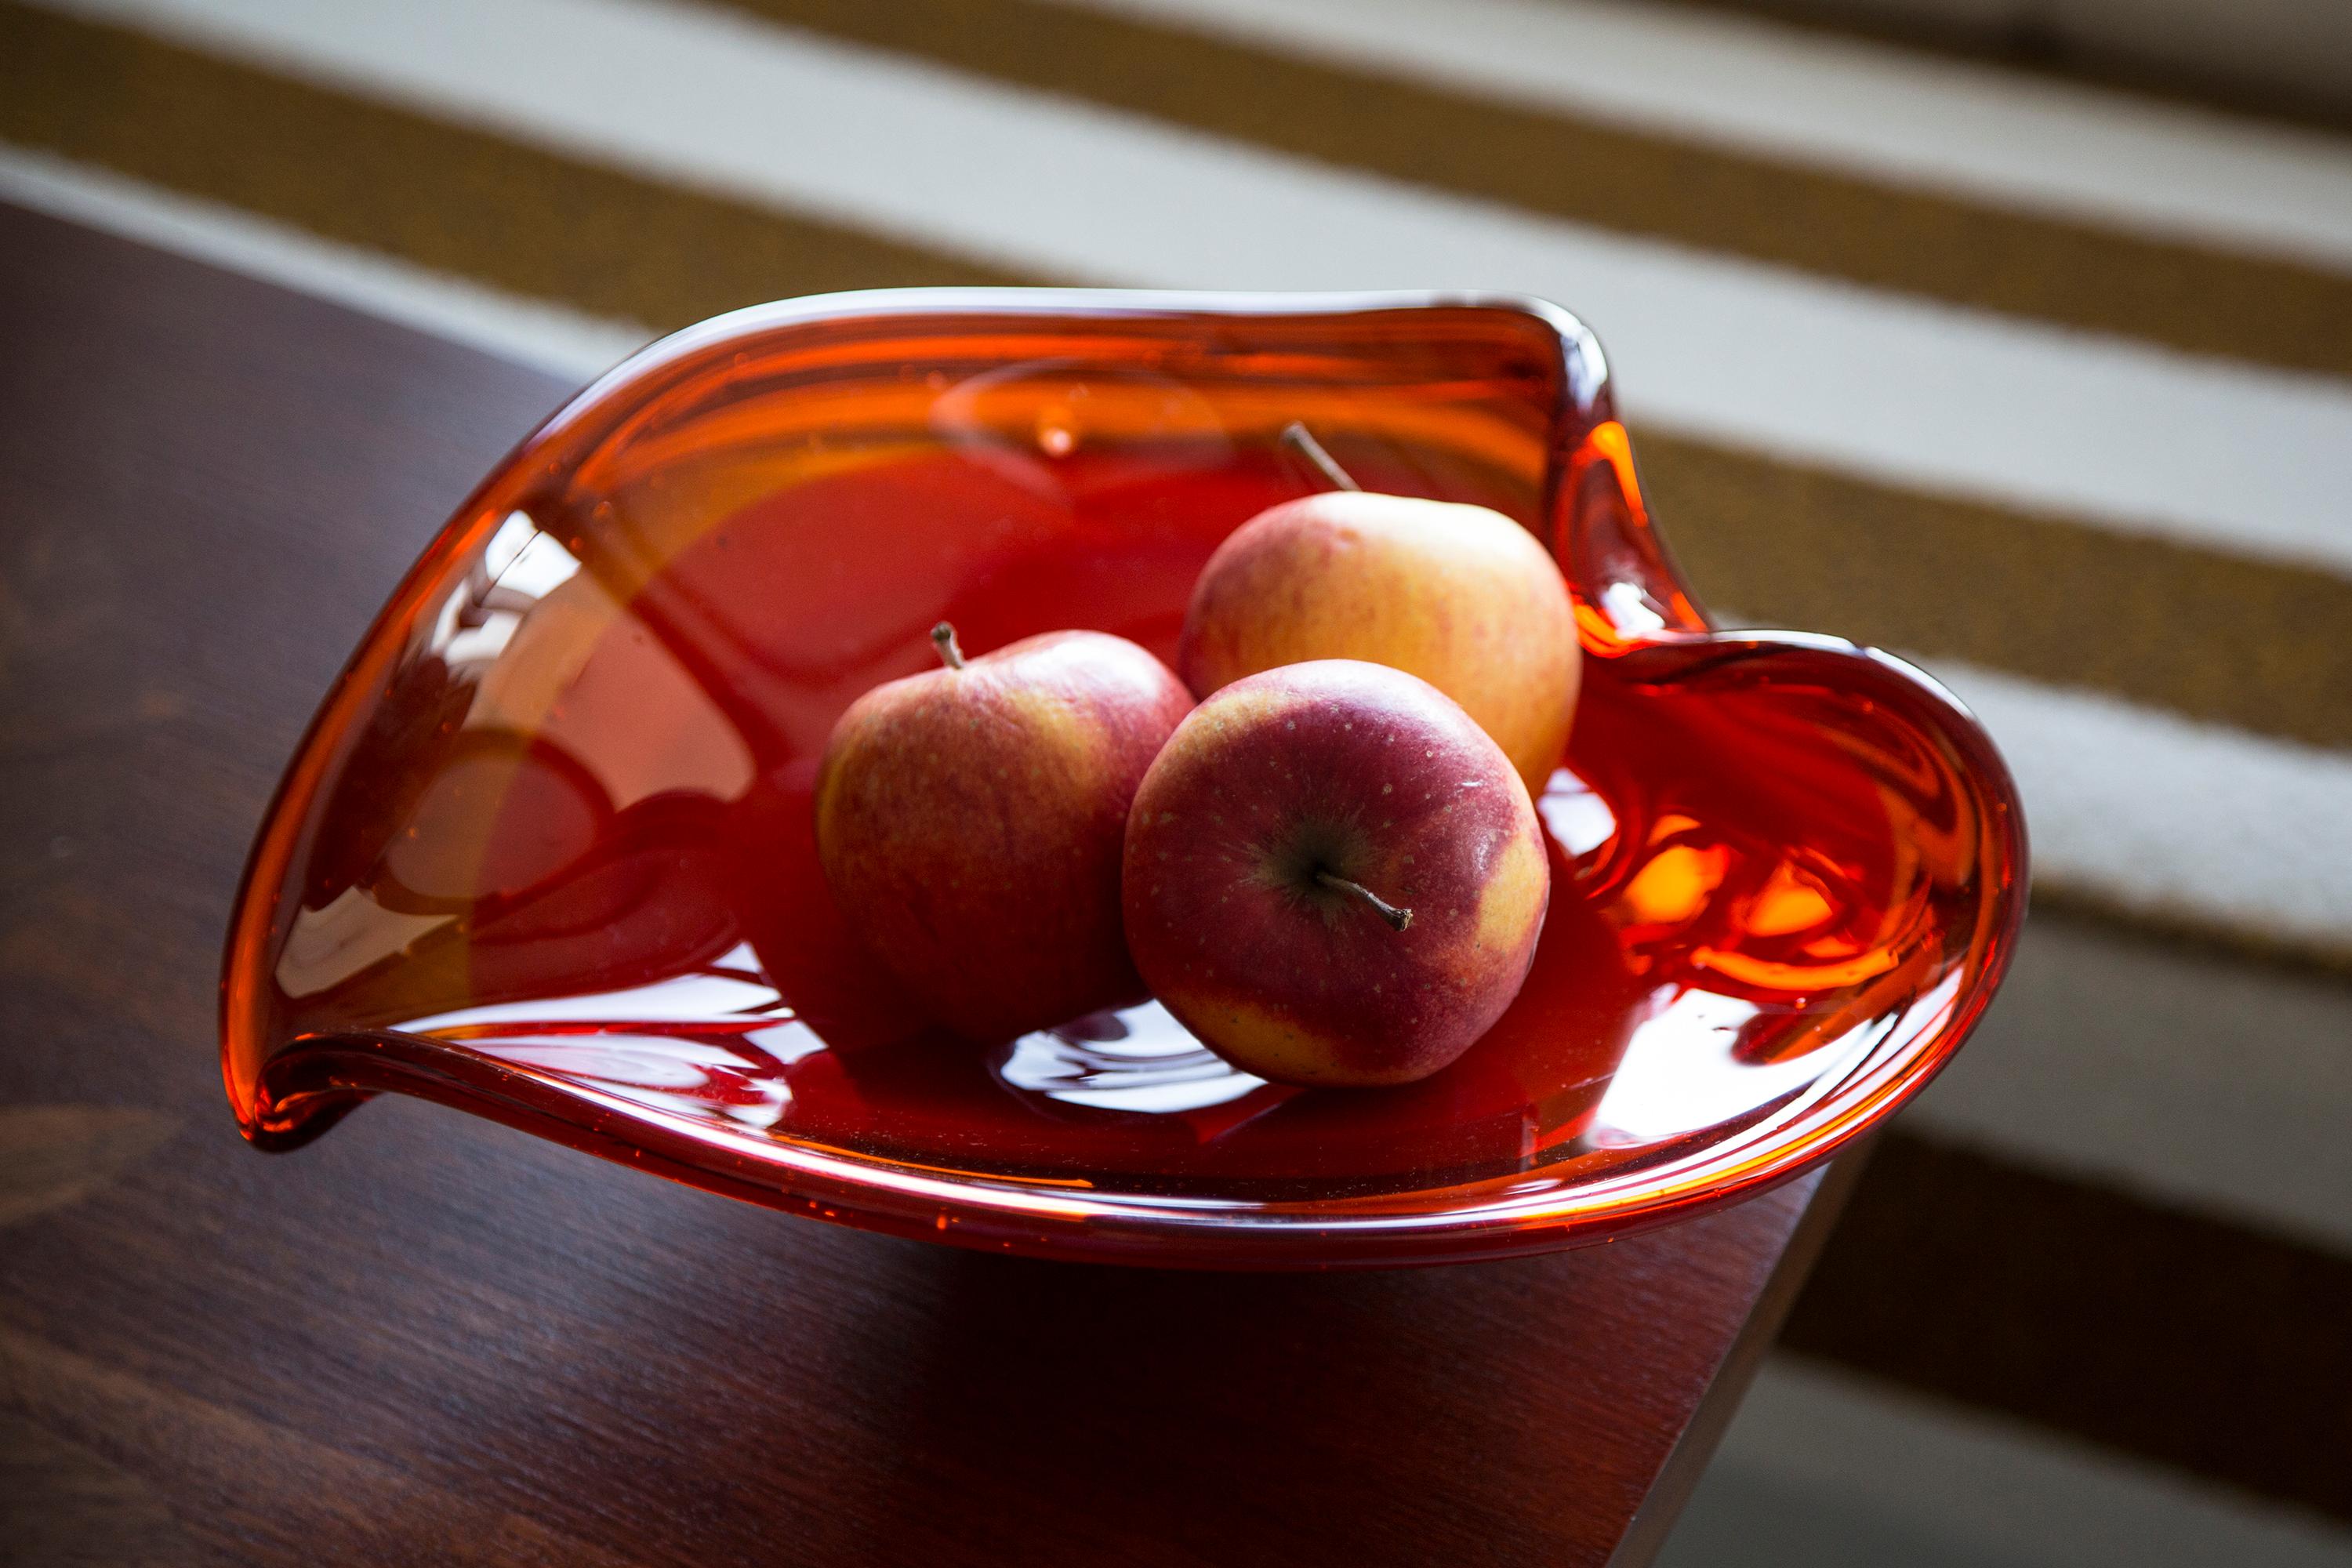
point(1398, 917)
point(943, 638)
point(1301, 437)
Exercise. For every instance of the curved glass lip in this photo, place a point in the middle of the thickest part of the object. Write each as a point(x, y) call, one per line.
point(1501, 1216)
point(1587, 365)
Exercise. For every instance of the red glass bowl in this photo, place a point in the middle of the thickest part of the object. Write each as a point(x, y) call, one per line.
point(545, 854)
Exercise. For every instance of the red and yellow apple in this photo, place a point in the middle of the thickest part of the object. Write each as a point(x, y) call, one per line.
point(1459, 595)
point(970, 821)
point(1333, 876)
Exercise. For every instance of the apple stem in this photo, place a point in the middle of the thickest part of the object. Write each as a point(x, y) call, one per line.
point(1300, 437)
point(1396, 917)
point(943, 638)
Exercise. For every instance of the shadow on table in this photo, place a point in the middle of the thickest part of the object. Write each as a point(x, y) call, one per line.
point(1365, 1417)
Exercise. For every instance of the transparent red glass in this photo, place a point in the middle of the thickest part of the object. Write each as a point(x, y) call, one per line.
point(545, 854)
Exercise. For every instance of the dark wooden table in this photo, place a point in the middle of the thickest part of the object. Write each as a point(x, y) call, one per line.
point(428, 1339)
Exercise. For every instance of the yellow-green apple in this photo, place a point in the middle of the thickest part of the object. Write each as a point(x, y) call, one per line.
point(1333, 876)
point(1458, 595)
point(970, 822)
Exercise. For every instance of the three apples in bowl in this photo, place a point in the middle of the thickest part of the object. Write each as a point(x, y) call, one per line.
point(1329, 869)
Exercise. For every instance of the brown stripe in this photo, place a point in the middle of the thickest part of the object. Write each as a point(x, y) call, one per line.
point(2236, 641)
point(448, 198)
point(2207, 1346)
point(2040, 43)
point(2248, 643)
point(2209, 934)
point(2077, 274)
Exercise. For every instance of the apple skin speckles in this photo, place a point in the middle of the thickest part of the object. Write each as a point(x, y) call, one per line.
point(972, 822)
point(1237, 930)
point(1460, 596)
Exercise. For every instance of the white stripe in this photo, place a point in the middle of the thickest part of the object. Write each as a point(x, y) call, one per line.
point(1870, 108)
point(2166, 815)
point(531, 331)
point(1927, 396)
point(1824, 1466)
point(2201, 1082)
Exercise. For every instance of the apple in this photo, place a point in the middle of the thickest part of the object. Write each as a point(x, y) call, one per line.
point(1334, 876)
point(970, 822)
point(1460, 596)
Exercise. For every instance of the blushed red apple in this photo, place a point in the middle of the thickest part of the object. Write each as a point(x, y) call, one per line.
point(1460, 596)
point(969, 820)
point(1334, 876)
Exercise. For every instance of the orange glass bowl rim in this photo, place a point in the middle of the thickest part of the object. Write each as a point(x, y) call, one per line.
point(294, 1097)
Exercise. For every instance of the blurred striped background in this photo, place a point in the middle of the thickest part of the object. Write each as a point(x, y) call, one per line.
point(2043, 382)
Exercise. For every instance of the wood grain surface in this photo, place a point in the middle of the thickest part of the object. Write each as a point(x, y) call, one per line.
point(428, 1339)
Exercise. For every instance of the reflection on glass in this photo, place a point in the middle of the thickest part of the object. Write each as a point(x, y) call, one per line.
point(1685, 1071)
point(1137, 1060)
